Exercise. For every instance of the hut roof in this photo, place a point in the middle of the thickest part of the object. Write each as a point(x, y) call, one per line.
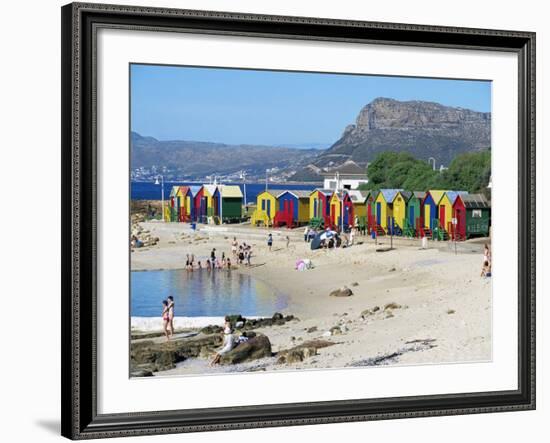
point(298, 193)
point(210, 188)
point(389, 194)
point(326, 191)
point(358, 196)
point(475, 201)
point(419, 194)
point(174, 190)
point(231, 191)
point(406, 195)
point(274, 192)
point(339, 194)
point(453, 195)
point(194, 189)
point(437, 195)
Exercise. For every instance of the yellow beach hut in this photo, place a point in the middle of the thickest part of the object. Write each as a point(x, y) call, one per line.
point(431, 208)
point(384, 206)
point(399, 208)
point(359, 200)
point(319, 205)
point(266, 207)
point(335, 210)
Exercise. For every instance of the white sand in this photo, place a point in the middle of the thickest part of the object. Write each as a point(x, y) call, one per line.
point(445, 306)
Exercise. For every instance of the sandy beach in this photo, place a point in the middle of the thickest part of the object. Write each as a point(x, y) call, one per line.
point(409, 305)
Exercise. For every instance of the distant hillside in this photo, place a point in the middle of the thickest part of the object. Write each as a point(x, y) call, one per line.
point(424, 129)
point(193, 159)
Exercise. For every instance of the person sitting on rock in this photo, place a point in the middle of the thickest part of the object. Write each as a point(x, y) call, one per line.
point(228, 343)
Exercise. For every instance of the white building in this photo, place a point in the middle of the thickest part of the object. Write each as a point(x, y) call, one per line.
point(346, 176)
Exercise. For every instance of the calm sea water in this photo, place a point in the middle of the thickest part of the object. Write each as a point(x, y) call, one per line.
point(202, 294)
point(150, 191)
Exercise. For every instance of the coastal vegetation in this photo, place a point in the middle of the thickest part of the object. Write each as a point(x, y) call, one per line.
point(469, 171)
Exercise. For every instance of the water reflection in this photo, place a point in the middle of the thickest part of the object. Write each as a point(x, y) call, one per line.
point(202, 293)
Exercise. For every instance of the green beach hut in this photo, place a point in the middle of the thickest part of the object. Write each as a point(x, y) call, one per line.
point(231, 203)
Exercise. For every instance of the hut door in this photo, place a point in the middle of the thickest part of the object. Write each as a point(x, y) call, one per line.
point(378, 213)
point(291, 210)
point(315, 208)
point(428, 218)
point(442, 216)
point(269, 208)
point(411, 216)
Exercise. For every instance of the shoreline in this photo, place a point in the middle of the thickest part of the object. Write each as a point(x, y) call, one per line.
point(404, 295)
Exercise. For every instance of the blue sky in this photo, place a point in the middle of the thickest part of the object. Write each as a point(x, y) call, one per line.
point(237, 106)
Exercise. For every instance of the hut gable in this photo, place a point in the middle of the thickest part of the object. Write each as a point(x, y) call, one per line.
point(389, 194)
point(231, 191)
point(475, 201)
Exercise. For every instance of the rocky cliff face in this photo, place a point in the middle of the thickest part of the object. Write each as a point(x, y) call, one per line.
point(424, 129)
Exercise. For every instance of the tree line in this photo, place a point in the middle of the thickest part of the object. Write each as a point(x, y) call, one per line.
point(470, 172)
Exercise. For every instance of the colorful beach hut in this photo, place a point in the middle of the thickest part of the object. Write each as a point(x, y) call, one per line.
point(192, 193)
point(266, 207)
point(359, 200)
point(341, 210)
point(384, 209)
point(177, 208)
point(319, 206)
point(431, 207)
point(212, 207)
point(473, 216)
point(415, 210)
point(292, 208)
point(445, 211)
point(231, 206)
point(201, 205)
point(371, 209)
point(183, 203)
point(172, 215)
point(399, 208)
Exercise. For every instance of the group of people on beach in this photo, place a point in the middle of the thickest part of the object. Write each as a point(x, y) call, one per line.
point(241, 252)
point(486, 267)
point(242, 255)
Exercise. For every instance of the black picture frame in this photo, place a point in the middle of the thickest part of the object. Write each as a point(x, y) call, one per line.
point(79, 173)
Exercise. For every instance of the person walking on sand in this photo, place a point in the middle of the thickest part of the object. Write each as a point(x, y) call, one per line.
point(213, 255)
point(287, 241)
point(486, 253)
point(269, 241)
point(486, 269)
point(165, 319)
point(171, 314)
point(306, 234)
point(234, 245)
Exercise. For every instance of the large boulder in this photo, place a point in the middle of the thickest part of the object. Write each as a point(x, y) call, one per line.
point(252, 349)
point(161, 355)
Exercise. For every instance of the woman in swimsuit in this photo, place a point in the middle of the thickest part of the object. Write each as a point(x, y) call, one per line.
point(165, 318)
point(171, 314)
